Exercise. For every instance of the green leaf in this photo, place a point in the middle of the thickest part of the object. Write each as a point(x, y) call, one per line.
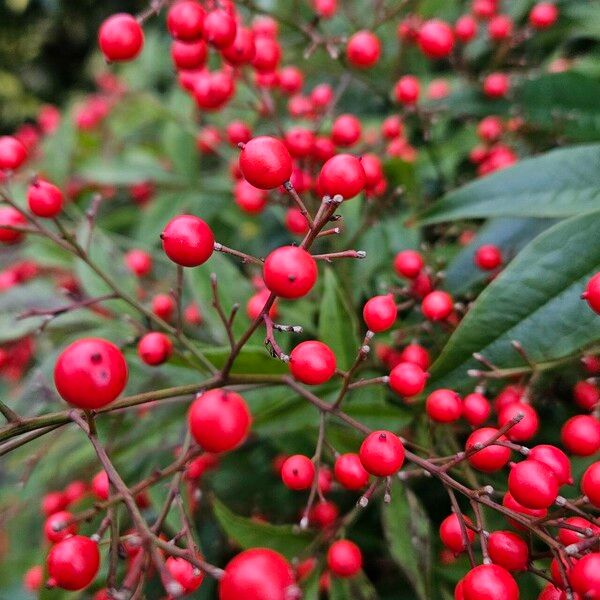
point(408, 533)
point(560, 183)
point(337, 322)
point(251, 360)
point(356, 588)
point(536, 301)
point(252, 534)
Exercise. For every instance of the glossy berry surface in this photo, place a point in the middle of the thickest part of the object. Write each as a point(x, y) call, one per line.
point(407, 90)
point(290, 272)
point(121, 37)
point(90, 373)
point(11, 217)
point(489, 582)
point(436, 39)
point(44, 199)
point(443, 406)
point(490, 457)
point(508, 550)
point(342, 174)
point(256, 574)
point(437, 305)
point(451, 533)
point(155, 348)
point(73, 563)
point(533, 484)
point(312, 362)
point(380, 312)
point(59, 526)
point(188, 241)
point(488, 257)
point(526, 428)
point(555, 459)
point(100, 485)
point(363, 49)
point(349, 471)
point(298, 472)
point(265, 162)
point(408, 379)
point(139, 262)
point(382, 453)
point(219, 420)
point(416, 354)
point(580, 435)
point(543, 15)
point(476, 408)
point(184, 573)
point(590, 483)
point(219, 28)
point(344, 558)
point(591, 293)
point(12, 153)
point(185, 20)
point(585, 576)
point(408, 263)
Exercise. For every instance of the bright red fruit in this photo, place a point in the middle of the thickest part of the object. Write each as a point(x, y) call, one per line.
point(290, 272)
point(219, 420)
point(436, 38)
point(569, 536)
point(416, 354)
point(342, 174)
point(406, 90)
point(219, 28)
point(465, 28)
point(120, 37)
point(57, 526)
point(592, 293)
point(139, 262)
point(53, 502)
point(12, 153)
point(543, 15)
point(163, 306)
point(73, 563)
point(508, 550)
point(296, 222)
point(344, 558)
point(586, 395)
point(554, 458)
point(324, 514)
point(90, 373)
point(443, 406)
point(437, 305)
point(490, 582)
point(100, 485)
point(476, 408)
point(189, 55)
point(580, 435)
point(325, 8)
point(155, 348)
point(185, 20)
point(32, 580)
point(490, 458)
point(188, 241)
point(299, 141)
point(291, 79)
point(243, 48)
point(238, 132)
point(257, 574)
point(312, 362)
point(346, 130)
point(184, 573)
point(265, 162)
point(526, 428)
point(584, 576)
point(490, 129)
point(298, 472)
point(380, 313)
point(509, 502)
point(248, 198)
point(451, 534)
point(11, 217)
point(488, 257)
point(590, 483)
point(500, 27)
point(75, 491)
point(408, 379)
point(267, 54)
point(349, 471)
point(408, 263)
point(533, 484)
point(496, 85)
point(363, 49)
point(382, 453)
point(44, 199)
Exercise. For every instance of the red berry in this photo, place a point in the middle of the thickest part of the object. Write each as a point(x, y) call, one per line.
point(12, 153)
point(580, 435)
point(584, 576)
point(346, 130)
point(382, 453)
point(299, 141)
point(291, 79)
point(219, 420)
point(443, 406)
point(120, 37)
point(257, 302)
point(324, 514)
point(188, 241)
point(32, 580)
point(53, 502)
point(238, 132)
point(312, 362)
point(243, 48)
point(590, 483)
point(437, 305)
point(500, 27)
point(508, 395)
point(266, 163)
point(484, 9)
point(496, 85)
point(490, 129)
point(408, 263)
point(100, 485)
point(491, 458)
point(219, 28)
point(138, 262)
point(408, 379)
point(325, 8)
point(213, 89)
point(342, 174)
point(490, 582)
point(465, 28)
point(543, 15)
point(344, 558)
point(73, 563)
point(554, 458)
point(349, 472)
point(392, 127)
point(184, 573)
point(380, 313)
point(373, 170)
point(533, 484)
point(163, 306)
point(451, 534)
point(586, 395)
point(550, 593)
point(192, 314)
point(509, 502)
point(592, 293)
point(75, 491)
point(488, 257)
point(90, 373)
point(44, 199)
point(58, 526)
point(508, 550)
point(298, 472)
point(436, 39)
point(416, 354)
point(363, 49)
point(155, 348)
point(476, 408)
point(257, 574)
point(570, 536)
point(189, 55)
point(290, 272)
point(406, 90)
point(267, 54)
point(248, 198)
point(296, 222)
point(185, 20)
point(11, 217)
point(526, 428)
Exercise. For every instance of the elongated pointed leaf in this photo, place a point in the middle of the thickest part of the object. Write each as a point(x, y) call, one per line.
point(560, 183)
point(536, 301)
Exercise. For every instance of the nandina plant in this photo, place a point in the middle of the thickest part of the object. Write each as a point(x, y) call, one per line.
point(303, 302)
